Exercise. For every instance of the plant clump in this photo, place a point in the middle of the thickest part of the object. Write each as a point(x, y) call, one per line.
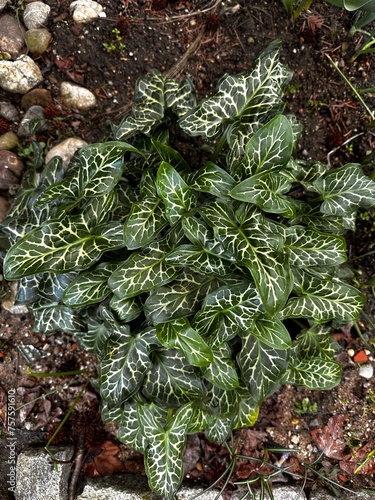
point(200, 288)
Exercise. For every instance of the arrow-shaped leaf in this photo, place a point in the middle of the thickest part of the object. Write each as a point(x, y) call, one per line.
point(177, 196)
point(179, 334)
point(324, 301)
point(262, 367)
point(345, 189)
point(123, 367)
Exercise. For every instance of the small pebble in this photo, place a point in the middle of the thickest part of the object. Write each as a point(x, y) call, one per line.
point(366, 371)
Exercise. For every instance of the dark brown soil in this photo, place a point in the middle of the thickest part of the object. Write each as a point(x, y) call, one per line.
point(336, 430)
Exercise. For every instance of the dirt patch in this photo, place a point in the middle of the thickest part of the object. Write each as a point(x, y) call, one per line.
point(333, 432)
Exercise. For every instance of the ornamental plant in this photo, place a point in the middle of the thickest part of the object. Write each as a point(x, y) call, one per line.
point(200, 281)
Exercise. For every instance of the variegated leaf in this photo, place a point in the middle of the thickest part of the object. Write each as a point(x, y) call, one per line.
point(177, 196)
point(310, 214)
point(163, 457)
point(172, 381)
point(28, 289)
point(252, 246)
point(199, 260)
point(267, 191)
point(89, 287)
point(309, 248)
point(271, 331)
point(101, 166)
point(243, 96)
point(221, 402)
point(52, 286)
point(222, 372)
point(314, 373)
point(130, 431)
point(324, 300)
point(201, 235)
point(144, 223)
point(51, 317)
point(95, 336)
point(262, 367)
point(148, 108)
point(268, 150)
point(180, 335)
point(171, 156)
point(247, 413)
point(180, 96)
point(141, 272)
point(126, 309)
point(179, 299)
point(228, 310)
point(218, 430)
point(99, 209)
point(60, 246)
point(315, 342)
point(212, 179)
point(123, 367)
point(345, 189)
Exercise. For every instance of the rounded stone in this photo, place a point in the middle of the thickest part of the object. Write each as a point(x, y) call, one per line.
point(33, 112)
point(3, 4)
point(74, 96)
point(66, 150)
point(86, 10)
point(9, 140)
point(38, 40)
point(12, 36)
point(36, 14)
point(19, 76)
point(8, 111)
point(37, 97)
point(11, 168)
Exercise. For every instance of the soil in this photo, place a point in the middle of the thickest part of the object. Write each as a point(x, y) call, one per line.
point(324, 436)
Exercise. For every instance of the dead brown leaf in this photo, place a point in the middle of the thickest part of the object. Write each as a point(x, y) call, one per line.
point(329, 439)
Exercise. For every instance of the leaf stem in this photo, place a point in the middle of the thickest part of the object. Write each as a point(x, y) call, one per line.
point(354, 90)
point(68, 413)
point(54, 374)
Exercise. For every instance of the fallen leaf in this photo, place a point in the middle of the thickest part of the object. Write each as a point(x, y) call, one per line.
point(329, 439)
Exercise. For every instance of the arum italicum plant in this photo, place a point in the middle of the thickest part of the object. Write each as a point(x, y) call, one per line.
point(200, 288)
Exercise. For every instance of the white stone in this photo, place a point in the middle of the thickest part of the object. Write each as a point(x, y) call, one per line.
point(366, 371)
point(66, 149)
point(36, 15)
point(3, 4)
point(37, 477)
point(75, 96)
point(86, 10)
point(19, 76)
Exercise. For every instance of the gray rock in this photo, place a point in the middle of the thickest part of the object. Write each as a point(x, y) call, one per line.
point(11, 168)
point(8, 111)
point(12, 39)
point(19, 76)
point(36, 15)
point(75, 96)
point(344, 495)
point(38, 40)
point(9, 140)
point(33, 112)
point(3, 4)
point(36, 477)
point(85, 11)
point(66, 149)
